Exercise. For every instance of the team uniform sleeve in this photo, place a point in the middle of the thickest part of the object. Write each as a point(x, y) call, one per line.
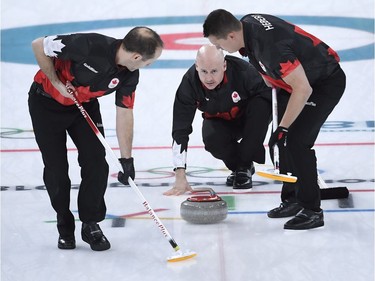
point(66, 47)
point(125, 95)
point(184, 109)
point(281, 59)
point(287, 61)
point(295, 47)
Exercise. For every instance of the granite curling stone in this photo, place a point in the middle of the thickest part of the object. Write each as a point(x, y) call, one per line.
point(204, 209)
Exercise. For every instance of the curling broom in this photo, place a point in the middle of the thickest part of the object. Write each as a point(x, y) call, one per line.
point(275, 174)
point(179, 255)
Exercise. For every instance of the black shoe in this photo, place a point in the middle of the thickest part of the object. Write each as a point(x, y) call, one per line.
point(242, 179)
point(305, 219)
point(286, 209)
point(93, 235)
point(66, 243)
point(230, 179)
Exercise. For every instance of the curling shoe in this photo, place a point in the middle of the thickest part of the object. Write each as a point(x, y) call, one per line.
point(230, 178)
point(305, 219)
point(66, 243)
point(286, 209)
point(242, 179)
point(93, 235)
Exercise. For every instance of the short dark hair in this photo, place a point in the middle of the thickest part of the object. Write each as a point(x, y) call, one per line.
point(220, 23)
point(142, 40)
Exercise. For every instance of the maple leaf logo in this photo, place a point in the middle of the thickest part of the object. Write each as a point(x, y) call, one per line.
point(52, 46)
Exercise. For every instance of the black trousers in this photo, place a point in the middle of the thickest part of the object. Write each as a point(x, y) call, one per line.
point(51, 123)
point(299, 156)
point(239, 142)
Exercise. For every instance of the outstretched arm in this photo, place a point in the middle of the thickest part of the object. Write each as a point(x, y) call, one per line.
point(124, 130)
point(184, 109)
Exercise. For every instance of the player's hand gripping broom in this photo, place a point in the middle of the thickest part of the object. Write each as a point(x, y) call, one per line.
point(275, 173)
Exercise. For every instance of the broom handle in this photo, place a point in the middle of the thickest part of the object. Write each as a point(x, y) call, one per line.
point(151, 212)
point(276, 160)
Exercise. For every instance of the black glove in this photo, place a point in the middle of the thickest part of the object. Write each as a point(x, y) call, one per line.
point(128, 167)
point(279, 138)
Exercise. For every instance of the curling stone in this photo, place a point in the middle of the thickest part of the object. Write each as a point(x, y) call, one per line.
point(204, 209)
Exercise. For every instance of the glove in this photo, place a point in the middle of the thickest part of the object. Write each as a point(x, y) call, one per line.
point(279, 138)
point(128, 168)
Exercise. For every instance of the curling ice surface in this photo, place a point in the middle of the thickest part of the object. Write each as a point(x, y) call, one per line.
point(242, 245)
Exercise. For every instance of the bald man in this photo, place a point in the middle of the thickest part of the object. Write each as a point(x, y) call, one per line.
point(236, 106)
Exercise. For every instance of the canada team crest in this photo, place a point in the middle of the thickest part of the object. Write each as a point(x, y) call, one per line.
point(236, 97)
point(114, 82)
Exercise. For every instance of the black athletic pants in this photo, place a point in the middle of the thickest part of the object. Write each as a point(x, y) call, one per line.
point(51, 123)
point(299, 156)
point(239, 142)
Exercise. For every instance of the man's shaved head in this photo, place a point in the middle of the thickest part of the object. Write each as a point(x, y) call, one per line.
point(211, 65)
point(210, 53)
